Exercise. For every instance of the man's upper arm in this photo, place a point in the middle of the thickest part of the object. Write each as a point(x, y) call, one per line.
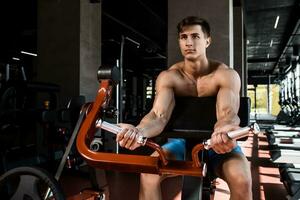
point(164, 99)
point(228, 98)
point(154, 122)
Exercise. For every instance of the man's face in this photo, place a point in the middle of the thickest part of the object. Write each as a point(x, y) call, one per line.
point(193, 42)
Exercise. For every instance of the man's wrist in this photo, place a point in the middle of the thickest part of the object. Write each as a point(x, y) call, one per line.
point(141, 131)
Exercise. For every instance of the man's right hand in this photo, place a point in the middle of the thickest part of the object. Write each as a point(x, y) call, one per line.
point(128, 136)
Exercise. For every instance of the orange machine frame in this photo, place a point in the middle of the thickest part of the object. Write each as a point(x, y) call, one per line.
point(128, 162)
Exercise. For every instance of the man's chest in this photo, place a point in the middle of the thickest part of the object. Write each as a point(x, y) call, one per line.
point(201, 87)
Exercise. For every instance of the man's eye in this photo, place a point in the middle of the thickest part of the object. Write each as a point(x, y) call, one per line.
point(183, 37)
point(196, 37)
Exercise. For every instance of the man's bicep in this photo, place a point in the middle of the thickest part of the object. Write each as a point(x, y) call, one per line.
point(164, 98)
point(155, 121)
point(228, 98)
point(227, 102)
point(164, 103)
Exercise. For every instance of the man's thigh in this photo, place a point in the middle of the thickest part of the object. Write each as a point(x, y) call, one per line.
point(220, 163)
point(234, 165)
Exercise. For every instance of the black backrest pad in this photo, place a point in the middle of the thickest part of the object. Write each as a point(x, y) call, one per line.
point(199, 114)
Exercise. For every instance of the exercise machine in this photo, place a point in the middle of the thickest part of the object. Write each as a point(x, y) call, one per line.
point(91, 115)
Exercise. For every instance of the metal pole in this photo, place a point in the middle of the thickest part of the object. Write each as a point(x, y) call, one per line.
point(118, 103)
point(121, 80)
point(7, 72)
point(23, 74)
point(118, 94)
point(120, 88)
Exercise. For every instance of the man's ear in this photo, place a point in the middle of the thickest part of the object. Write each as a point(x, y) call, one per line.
point(208, 41)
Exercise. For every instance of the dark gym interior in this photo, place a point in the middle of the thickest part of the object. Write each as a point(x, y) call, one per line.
point(53, 54)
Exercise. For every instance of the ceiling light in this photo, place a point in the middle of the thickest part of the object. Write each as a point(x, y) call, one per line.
point(276, 22)
point(248, 41)
point(268, 56)
point(28, 53)
point(15, 58)
point(271, 43)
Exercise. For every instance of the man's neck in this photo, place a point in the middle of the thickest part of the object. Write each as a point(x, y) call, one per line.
point(197, 68)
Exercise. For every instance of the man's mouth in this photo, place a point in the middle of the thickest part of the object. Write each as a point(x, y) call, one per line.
point(189, 50)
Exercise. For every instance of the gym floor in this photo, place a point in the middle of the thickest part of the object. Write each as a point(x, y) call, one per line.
point(124, 186)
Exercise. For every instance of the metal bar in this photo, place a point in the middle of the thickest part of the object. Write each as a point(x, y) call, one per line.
point(109, 127)
point(239, 133)
point(116, 129)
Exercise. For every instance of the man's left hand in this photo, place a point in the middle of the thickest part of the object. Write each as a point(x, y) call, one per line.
point(220, 142)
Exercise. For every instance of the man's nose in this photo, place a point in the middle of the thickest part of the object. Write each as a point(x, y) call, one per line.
point(189, 41)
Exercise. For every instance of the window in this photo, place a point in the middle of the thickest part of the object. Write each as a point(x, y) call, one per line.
point(267, 100)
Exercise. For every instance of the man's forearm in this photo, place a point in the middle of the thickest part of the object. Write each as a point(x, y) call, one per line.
point(152, 125)
point(232, 119)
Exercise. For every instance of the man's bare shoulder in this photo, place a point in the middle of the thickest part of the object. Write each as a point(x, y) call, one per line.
point(217, 65)
point(173, 72)
point(177, 66)
point(227, 77)
point(221, 69)
point(226, 72)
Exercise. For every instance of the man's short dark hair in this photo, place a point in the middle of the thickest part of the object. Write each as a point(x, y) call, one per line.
point(193, 20)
